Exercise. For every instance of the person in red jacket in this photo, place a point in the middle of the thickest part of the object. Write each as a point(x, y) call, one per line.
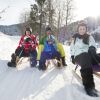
point(27, 47)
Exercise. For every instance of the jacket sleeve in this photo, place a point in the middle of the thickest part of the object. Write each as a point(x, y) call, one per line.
point(21, 42)
point(72, 47)
point(92, 42)
point(41, 41)
point(34, 42)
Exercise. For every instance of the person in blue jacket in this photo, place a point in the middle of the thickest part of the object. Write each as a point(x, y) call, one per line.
point(49, 48)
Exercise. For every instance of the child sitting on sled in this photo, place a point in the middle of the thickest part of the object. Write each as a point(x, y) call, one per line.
point(49, 48)
point(83, 53)
point(26, 48)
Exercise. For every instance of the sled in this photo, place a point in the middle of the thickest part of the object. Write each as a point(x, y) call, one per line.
point(54, 62)
point(79, 79)
point(25, 59)
point(50, 57)
point(20, 60)
point(96, 72)
point(77, 76)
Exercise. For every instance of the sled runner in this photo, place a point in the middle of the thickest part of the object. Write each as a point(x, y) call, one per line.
point(53, 62)
point(19, 61)
point(77, 76)
point(96, 72)
point(32, 62)
point(79, 79)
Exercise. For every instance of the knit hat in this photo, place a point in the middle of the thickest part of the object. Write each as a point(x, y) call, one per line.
point(28, 29)
point(48, 29)
point(82, 23)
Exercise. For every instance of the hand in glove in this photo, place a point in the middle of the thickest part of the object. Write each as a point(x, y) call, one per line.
point(27, 39)
point(22, 46)
point(73, 60)
point(92, 50)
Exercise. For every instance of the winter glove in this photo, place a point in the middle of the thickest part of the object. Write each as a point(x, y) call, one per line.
point(22, 47)
point(92, 50)
point(73, 60)
point(27, 39)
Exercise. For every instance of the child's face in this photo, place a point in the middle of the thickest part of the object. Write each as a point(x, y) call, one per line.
point(27, 32)
point(82, 30)
point(48, 32)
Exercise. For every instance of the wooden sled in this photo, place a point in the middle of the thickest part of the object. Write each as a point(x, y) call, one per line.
point(19, 61)
point(54, 62)
point(96, 72)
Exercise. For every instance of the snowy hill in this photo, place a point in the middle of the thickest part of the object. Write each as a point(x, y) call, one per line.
point(97, 30)
point(15, 29)
point(32, 84)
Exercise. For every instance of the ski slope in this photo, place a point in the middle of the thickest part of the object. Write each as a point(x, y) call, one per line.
point(28, 83)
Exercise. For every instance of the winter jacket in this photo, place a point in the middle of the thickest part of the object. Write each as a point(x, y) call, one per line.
point(78, 46)
point(48, 41)
point(43, 45)
point(27, 45)
point(49, 47)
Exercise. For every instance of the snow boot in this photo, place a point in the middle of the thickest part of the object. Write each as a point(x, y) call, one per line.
point(58, 64)
point(91, 92)
point(42, 65)
point(13, 61)
point(63, 61)
point(88, 82)
point(33, 62)
point(11, 64)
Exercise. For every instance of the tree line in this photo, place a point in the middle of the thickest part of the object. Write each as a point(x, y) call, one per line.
point(53, 13)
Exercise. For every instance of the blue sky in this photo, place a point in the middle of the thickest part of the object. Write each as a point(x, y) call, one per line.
point(84, 8)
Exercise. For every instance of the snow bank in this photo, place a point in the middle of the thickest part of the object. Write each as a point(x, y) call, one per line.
point(32, 84)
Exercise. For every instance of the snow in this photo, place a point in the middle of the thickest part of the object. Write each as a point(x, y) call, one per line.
point(97, 30)
point(28, 83)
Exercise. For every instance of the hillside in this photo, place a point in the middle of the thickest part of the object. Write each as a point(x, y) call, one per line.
point(28, 83)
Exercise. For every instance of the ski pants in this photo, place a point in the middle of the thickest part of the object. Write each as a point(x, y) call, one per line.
point(21, 53)
point(84, 60)
point(48, 55)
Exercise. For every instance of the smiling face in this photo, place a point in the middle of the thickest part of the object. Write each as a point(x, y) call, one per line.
point(27, 33)
point(48, 32)
point(82, 30)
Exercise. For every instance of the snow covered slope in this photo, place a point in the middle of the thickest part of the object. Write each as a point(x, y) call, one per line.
point(32, 84)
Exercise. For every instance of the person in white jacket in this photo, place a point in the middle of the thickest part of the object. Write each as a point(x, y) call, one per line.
point(83, 53)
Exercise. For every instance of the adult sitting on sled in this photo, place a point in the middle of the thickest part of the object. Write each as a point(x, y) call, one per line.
point(83, 53)
point(49, 49)
point(26, 47)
